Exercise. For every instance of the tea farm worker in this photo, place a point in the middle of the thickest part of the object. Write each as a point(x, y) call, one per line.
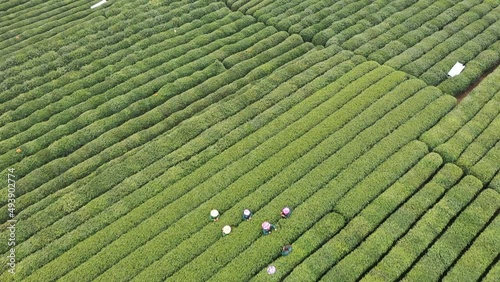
point(226, 230)
point(286, 250)
point(286, 212)
point(247, 215)
point(214, 215)
point(267, 228)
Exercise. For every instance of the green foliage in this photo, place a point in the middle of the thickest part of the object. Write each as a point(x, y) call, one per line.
point(374, 184)
point(256, 49)
point(352, 266)
point(69, 143)
point(466, 136)
point(313, 238)
point(493, 274)
point(286, 71)
point(360, 226)
point(135, 94)
point(464, 112)
point(479, 255)
point(286, 178)
point(93, 56)
point(414, 242)
point(135, 119)
point(486, 168)
point(483, 143)
point(443, 253)
point(495, 182)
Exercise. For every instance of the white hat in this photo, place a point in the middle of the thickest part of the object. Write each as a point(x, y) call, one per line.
point(214, 213)
point(246, 212)
point(226, 229)
point(271, 269)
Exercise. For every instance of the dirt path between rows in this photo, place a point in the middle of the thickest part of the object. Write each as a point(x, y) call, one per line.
point(464, 94)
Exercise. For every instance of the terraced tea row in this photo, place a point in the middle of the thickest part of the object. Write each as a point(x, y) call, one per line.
point(360, 168)
point(469, 135)
point(424, 38)
point(15, 23)
point(284, 186)
point(395, 192)
point(146, 119)
point(89, 165)
point(34, 21)
point(180, 233)
point(128, 123)
point(243, 117)
point(387, 239)
point(268, 66)
point(179, 142)
point(454, 223)
point(383, 104)
point(104, 43)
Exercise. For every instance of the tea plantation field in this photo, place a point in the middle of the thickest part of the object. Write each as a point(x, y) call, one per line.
point(123, 126)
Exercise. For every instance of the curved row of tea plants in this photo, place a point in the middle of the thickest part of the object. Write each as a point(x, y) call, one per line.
point(43, 14)
point(284, 70)
point(83, 195)
point(297, 171)
point(91, 48)
point(74, 141)
point(323, 230)
point(128, 123)
point(362, 164)
point(424, 38)
point(468, 135)
point(196, 180)
point(345, 150)
point(114, 100)
point(115, 66)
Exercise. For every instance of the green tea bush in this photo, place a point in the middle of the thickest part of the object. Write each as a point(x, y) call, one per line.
point(359, 227)
point(364, 167)
point(38, 35)
point(408, 248)
point(312, 239)
point(367, 162)
point(478, 133)
point(495, 182)
point(196, 122)
point(487, 59)
point(486, 168)
point(201, 76)
point(75, 64)
point(480, 254)
point(373, 185)
point(352, 266)
point(138, 77)
point(257, 48)
point(267, 168)
point(413, 178)
point(464, 112)
point(444, 252)
point(107, 109)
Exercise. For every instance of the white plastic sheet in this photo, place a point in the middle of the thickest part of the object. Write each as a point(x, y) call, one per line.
point(98, 4)
point(456, 69)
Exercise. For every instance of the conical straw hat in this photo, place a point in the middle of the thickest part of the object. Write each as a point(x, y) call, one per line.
point(226, 229)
